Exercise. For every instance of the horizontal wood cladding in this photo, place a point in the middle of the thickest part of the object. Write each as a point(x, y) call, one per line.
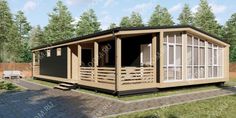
point(54, 65)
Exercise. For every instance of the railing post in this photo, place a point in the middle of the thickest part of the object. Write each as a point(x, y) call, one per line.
point(96, 51)
point(154, 56)
point(118, 63)
point(79, 60)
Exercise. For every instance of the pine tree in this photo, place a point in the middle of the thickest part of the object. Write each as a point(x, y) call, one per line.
point(205, 19)
point(60, 24)
point(230, 36)
point(112, 25)
point(88, 23)
point(36, 37)
point(23, 29)
point(160, 17)
point(8, 34)
point(186, 17)
point(125, 22)
point(136, 20)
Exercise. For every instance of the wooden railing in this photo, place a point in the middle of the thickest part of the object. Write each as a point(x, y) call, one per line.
point(130, 77)
point(106, 75)
point(87, 74)
point(103, 78)
point(137, 75)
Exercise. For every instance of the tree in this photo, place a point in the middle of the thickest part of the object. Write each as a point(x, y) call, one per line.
point(36, 37)
point(125, 22)
point(88, 23)
point(186, 17)
point(160, 17)
point(23, 28)
point(112, 25)
point(22, 25)
point(205, 19)
point(136, 20)
point(60, 24)
point(230, 36)
point(8, 34)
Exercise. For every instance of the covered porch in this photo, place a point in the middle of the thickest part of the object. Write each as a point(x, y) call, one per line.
point(118, 63)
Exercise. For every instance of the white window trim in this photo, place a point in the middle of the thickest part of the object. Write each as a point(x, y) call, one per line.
point(174, 63)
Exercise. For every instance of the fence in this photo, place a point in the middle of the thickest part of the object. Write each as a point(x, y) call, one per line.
point(25, 68)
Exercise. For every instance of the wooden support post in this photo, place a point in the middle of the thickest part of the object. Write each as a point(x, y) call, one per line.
point(118, 63)
point(33, 64)
point(96, 51)
point(161, 57)
point(226, 63)
point(79, 60)
point(68, 62)
point(154, 56)
point(184, 55)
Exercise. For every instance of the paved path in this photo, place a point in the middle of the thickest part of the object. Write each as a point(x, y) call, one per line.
point(41, 102)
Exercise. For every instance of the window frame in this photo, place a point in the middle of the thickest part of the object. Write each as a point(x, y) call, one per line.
point(59, 52)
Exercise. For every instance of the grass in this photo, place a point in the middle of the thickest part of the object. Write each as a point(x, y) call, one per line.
point(164, 92)
point(220, 107)
point(8, 86)
point(49, 84)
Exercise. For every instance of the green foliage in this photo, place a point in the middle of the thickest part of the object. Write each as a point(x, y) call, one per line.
point(7, 86)
point(160, 17)
point(205, 19)
point(36, 37)
point(135, 20)
point(186, 17)
point(9, 36)
point(125, 22)
point(23, 27)
point(230, 36)
point(88, 23)
point(112, 25)
point(60, 24)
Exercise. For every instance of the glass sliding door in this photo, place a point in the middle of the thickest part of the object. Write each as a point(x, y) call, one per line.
point(172, 56)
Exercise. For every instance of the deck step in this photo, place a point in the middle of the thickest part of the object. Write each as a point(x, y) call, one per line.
point(62, 88)
point(70, 86)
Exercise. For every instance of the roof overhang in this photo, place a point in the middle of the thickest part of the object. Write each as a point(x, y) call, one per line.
point(132, 31)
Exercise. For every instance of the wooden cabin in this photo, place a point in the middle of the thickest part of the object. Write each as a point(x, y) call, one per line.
point(134, 60)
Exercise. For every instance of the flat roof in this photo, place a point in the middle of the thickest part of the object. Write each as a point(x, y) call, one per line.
point(117, 29)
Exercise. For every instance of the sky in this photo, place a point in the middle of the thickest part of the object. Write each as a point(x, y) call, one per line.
point(111, 11)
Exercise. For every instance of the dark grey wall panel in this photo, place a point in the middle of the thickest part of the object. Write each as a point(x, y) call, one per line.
point(54, 65)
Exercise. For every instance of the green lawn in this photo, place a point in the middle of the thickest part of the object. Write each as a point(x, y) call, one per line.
point(49, 84)
point(8, 86)
point(165, 92)
point(220, 107)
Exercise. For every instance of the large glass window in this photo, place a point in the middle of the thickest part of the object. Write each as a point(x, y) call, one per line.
point(197, 52)
point(195, 58)
point(215, 61)
point(172, 56)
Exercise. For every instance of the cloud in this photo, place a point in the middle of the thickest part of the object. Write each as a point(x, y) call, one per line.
point(29, 5)
point(105, 20)
point(141, 7)
point(76, 2)
point(218, 8)
point(176, 8)
point(109, 3)
point(194, 8)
